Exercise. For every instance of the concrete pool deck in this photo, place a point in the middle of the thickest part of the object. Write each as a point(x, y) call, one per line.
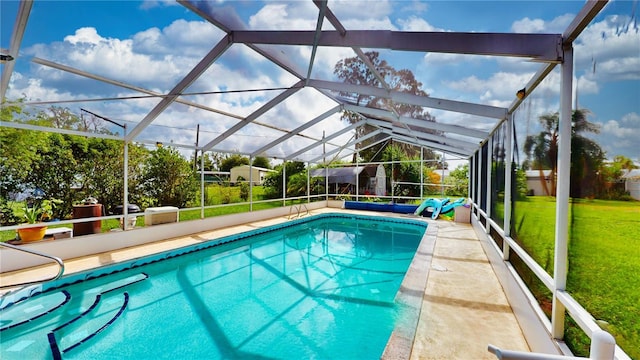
point(462, 308)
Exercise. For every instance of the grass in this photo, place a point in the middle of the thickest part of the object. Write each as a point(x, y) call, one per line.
point(604, 263)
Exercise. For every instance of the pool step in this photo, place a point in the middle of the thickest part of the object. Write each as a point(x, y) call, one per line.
point(82, 328)
point(118, 284)
point(28, 310)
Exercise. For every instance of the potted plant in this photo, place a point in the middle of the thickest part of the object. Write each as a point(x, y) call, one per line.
point(33, 215)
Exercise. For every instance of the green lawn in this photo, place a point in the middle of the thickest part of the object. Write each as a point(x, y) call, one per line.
point(604, 262)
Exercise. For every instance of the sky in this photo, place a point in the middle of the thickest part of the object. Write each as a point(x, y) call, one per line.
point(154, 44)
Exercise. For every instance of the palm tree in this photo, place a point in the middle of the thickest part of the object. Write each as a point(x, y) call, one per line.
point(586, 154)
point(542, 150)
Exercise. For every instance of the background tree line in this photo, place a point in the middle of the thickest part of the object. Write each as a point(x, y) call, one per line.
point(71, 167)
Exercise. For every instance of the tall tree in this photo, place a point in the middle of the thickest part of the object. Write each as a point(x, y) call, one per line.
point(586, 154)
point(273, 181)
point(169, 178)
point(18, 150)
point(233, 161)
point(261, 161)
point(354, 71)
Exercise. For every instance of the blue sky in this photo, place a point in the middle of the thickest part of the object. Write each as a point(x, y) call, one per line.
point(153, 44)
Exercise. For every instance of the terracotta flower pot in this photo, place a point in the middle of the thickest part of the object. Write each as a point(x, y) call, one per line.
point(32, 234)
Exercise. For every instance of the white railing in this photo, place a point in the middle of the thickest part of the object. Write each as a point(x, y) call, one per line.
point(582, 317)
point(57, 260)
point(603, 347)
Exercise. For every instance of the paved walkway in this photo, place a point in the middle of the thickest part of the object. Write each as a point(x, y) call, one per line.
point(463, 308)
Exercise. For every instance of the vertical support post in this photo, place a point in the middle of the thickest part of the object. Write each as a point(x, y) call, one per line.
point(357, 176)
point(421, 173)
point(125, 202)
point(479, 180)
point(562, 193)
point(250, 183)
point(442, 179)
point(472, 171)
point(308, 182)
point(488, 185)
point(326, 170)
point(391, 177)
point(603, 346)
point(508, 169)
point(284, 183)
point(202, 187)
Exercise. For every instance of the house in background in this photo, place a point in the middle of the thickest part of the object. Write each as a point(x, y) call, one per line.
point(243, 173)
point(632, 182)
point(534, 182)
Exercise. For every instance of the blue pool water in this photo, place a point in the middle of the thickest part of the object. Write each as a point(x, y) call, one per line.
point(323, 288)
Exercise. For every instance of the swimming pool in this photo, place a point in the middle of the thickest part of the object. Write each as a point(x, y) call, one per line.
point(321, 287)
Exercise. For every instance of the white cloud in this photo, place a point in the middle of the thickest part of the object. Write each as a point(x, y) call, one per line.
point(555, 26)
point(361, 9)
point(414, 23)
point(415, 7)
point(285, 16)
point(118, 59)
point(84, 35)
point(628, 127)
point(604, 53)
point(149, 4)
point(620, 137)
point(585, 86)
point(383, 23)
point(501, 84)
point(181, 37)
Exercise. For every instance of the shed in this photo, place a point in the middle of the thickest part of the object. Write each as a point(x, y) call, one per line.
point(371, 179)
point(243, 173)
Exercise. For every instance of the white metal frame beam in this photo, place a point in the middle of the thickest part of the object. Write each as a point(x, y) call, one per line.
point(78, 72)
point(351, 152)
point(263, 109)
point(411, 99)
point(192, 76)
point(423, 136)
point(540, 47)
point(14, 47)
point(322, 7)
point(428, 144)
point(385, 114)
point(351, 143)
point(229, 23)
point(324, 140)
point(121, 84)
point(297, 130)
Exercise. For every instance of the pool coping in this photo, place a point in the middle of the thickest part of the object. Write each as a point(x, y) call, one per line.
point(410, 297)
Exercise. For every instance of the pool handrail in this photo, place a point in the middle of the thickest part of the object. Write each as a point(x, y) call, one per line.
point(298, 209)
point(54, 258)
